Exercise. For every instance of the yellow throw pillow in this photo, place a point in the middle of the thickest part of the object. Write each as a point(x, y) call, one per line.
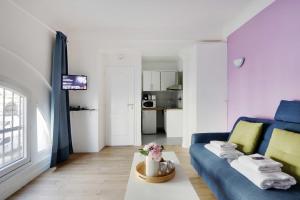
point(246, 136)
point(284, 147)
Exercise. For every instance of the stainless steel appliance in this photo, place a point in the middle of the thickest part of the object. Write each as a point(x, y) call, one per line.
point(149, 103)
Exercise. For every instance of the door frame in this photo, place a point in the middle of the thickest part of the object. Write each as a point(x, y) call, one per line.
point(137, 140)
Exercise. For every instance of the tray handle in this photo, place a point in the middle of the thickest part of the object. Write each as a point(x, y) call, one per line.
point(141, 177)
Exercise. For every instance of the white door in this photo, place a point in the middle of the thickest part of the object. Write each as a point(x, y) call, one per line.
point(155, 79)
point(167, 79)
point(120, 107)
point(147, 83)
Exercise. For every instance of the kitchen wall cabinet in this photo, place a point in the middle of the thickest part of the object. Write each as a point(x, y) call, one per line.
point(167, 79)
point(147, 81)
point(155, 77)
point(151, 81)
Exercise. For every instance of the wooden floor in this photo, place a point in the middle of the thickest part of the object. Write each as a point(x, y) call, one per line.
point(101, 176)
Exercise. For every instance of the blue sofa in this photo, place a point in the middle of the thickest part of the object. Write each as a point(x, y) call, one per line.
point(228, 184)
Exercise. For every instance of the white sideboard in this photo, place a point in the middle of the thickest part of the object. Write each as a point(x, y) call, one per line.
point(84, 131)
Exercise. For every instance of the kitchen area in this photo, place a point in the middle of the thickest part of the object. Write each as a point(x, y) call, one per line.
point(162, 103)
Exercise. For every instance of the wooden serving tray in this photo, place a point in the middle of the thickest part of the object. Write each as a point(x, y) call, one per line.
point(140, 171)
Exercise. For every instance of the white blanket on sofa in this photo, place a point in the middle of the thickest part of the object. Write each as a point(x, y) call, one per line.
point(278, 180)
point(223, 145)
point(229, 154)
point(261, 163)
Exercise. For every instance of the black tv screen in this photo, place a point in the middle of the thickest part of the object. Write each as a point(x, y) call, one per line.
point(74, 82)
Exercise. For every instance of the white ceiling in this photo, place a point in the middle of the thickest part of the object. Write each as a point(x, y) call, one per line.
point(139, 19)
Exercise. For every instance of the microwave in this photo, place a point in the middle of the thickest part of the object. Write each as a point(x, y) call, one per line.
point(149, 104)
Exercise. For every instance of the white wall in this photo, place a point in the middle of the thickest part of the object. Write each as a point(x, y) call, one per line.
point(160, 64)
point(204, 89)
point(212, 87)
point(148, 48)
point(25, 60)
point(204, 79)
point(86, 125)
point(188, 58)
point(89, 55)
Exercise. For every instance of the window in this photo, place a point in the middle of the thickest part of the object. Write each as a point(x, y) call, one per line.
point(13, 139)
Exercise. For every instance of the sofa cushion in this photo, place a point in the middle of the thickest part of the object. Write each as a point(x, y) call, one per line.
point(294, 127)
point(288, 111)
point(228, 184)
point(246, 136)
point(264, 140)
point(284, 147)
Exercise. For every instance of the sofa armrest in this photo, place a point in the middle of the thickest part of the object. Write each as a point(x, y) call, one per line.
point(207, 137)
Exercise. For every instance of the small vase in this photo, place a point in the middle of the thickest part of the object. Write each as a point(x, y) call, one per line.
point(152, 166)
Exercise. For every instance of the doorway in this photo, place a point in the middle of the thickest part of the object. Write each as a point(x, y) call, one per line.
point(162, 100)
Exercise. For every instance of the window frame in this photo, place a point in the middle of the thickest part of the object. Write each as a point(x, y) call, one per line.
point(16, 88)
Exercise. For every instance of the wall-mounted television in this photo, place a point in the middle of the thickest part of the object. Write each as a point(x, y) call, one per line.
point(74, 82)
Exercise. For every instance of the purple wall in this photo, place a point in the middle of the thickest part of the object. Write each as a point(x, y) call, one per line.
point(270, 42)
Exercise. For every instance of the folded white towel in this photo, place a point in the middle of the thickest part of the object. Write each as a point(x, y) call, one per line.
point(223, 145)
point(229, 154)
point(282, 185)
point(278, 180)
point(261, 163)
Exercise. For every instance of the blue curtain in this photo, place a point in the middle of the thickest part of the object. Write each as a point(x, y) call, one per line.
point(60, 113)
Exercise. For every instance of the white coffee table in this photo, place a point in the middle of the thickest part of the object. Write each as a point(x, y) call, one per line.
point(179, 188)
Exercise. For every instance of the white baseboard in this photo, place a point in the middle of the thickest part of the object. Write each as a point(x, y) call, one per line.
point(23, 176)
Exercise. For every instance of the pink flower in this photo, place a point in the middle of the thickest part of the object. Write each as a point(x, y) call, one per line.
point(149, 146)
point(155, 154)
point(153, 150)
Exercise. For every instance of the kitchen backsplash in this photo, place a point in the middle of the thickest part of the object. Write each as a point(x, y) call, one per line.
point(167, 99)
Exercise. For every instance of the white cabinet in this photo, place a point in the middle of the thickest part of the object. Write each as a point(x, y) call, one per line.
point(155, 81)
point(167, 79)
point(173, 122)
point(147, 81)
point(149, 121)
point(84, 122)
point(151, 81)
point(158, 81)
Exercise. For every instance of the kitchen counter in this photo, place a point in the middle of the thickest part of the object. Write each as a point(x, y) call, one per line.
point(173, 122)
